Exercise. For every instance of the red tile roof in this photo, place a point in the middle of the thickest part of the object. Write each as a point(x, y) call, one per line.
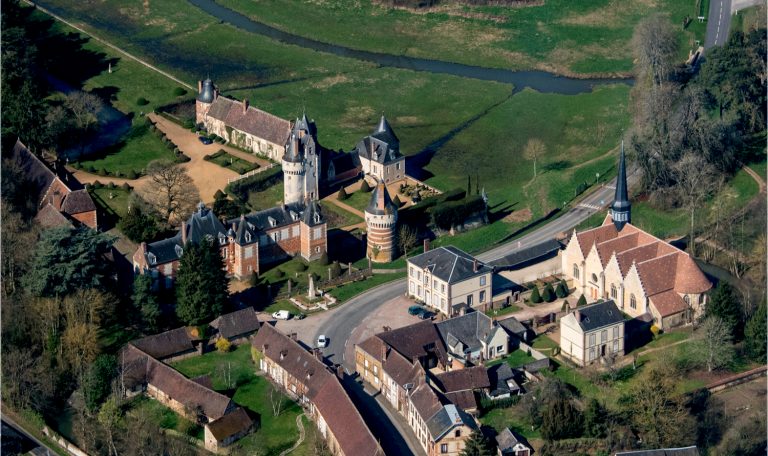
point(425, 401)
point(49, 217)
point(416, 340)
point(232, 423)
point(78, 202)
point(668, 303)
point(689, 278)
point(463, 379)
point(166, 344)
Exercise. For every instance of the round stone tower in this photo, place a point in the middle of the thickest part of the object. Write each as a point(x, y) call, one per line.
point(293, 172)
point(207, 93)
point(381, 223)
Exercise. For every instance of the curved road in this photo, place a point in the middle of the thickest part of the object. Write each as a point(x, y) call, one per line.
point(340, 325)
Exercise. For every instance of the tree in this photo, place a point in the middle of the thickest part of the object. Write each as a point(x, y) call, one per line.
point(476, 445)
point(342, 195)
point(277, 400)
point(582, 301)
point(535, 297)
point(407, 238)
point(85, 108)
point(712, 346)
point(18, 237)
point(755, 334)
point(549, 293)
point(323, 260)
point(145, 301)
point(109, 417)
point(595, 417)
point(223, 345)
point(469, 185)
point(226, 208)
point(364, 187)
point(724, 304)
point(139, 225)
point(68, 259)
point(335, 269)
point(97, 382)
point(560, 419)
point(171, 191)
point(534, 149)
point(562, 289)
point(201, 283)
point(696, 180)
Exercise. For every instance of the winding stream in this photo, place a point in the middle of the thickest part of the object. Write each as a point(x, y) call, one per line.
point(540, 81)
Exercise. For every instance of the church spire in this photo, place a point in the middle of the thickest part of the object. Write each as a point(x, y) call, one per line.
point(621, 208)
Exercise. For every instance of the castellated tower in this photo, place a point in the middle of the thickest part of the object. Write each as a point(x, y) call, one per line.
point(207, 93)
point(293, 173)
point(381, 223)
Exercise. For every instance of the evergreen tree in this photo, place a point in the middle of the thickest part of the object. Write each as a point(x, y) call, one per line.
point(595, 417)
point(97, 381)
point(535, 297)
point(549, 293)
point(201, 283)
point(342, 195)
point(364, 187)
point(396, 201)
point(139, 226)
point(477, 445)
point(323, 260)
point(560, 419)
point(562, 289)
point(582, 301)
point(755, 334)
point(723, 303)
point(146, 302)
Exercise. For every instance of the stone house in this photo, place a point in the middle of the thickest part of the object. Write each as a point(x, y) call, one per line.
point(644, 275)
point(169, 346)
point(305, 377)
point(246, 243)
point(379, 154)
point(227, 430)
point(447, 277)
point(592, 332)
point(442, 429)
point(509, 444)
point(236, 326)
point(473, 338)
point(61, 200)
point(463, 386)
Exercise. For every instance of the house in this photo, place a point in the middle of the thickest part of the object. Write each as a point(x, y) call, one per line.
point(592, 332)
point(169, 346)
point(60, 199)
point(379, 154)
point(503, 381)
point(236, 326)
point(644, 275)
point(515, 329)
point(508, 444)
point(685, 451)
point(305, 377)
point(440, 428)
point(446, 277)
point(227, 429)
point(472, 338)
point(463, 386)
point(246, 243)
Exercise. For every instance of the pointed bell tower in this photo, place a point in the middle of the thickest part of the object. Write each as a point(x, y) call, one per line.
point(621, 209)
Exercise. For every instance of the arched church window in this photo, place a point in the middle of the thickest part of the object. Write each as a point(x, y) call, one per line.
point(594, 278)
point(614, 294)
point(575, 271)
point(632, 301)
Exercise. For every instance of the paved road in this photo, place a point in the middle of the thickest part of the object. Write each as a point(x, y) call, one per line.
point(28, 442)
point(718, 23)
point(340, 325)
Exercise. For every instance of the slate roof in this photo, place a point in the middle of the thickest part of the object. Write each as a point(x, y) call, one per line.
point(77, 202)
point(506, 440)
point(425, 401)
point(343, 162)
point(207, 93)
point(498, 376)
point(449, 264)
point(381, 146)
point(415, 341)
point(595, 316)
point(201, 223)
point(685, 451)
point(238, 323)
point(528, 254)
point(470, 378)
point(513, 327)
point(166, 344)
point(313, 214)
point(49, 217)
point(381, 203)
point(232, 423)
point(255, 121)
point(469, 329)
point(446, 419)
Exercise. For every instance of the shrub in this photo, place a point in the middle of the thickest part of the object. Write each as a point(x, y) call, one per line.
point(97, 184)
point(342, 195)
point(223, 345)
point(301, 267)
point(453, 213)
point(655, 330)
point(323, 260)
point(219, 195)
point(561, 291)
point(582, 301)
point(126, 187)
point(179, 91)
point(111, 186)
point(535, 297)
point(102, 172)
point(132, 174)
point(240, 189)
point(566, 306)
point(335, 269)
point(279, 273)
point(253, 280)
point(91, 169)
point(141, 101)
point(364, 187)
point(548, 294)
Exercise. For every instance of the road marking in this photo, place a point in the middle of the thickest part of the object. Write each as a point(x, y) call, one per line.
point(594, 207)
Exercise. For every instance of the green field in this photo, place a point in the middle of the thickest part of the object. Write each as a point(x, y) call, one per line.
point(112, 201)
point(558, 35)
point(338, 217)
point(229, 161)
point(359, 200)
point(347, 291)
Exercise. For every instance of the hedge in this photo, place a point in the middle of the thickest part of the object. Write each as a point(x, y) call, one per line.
point(453, 213)
point(256, 183)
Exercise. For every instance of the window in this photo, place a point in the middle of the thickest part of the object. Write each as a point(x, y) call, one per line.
point(603, 335)
point(442, 287)
point(575, 271)
point(366, 363)
point(443, 447)
point(276, 236)
point(482, 296)
point(317, 249)
point(375, 370)
point(632, 301)
point(615, 345)
point(591, 340)
point(594, 278)
point(500, 349)
point(296, 231)
point(442, 303)
point(469, 300)
point(687, 299)
point(701, 299)
point(412, 272)
point(248, 252)
point(434, 284)
point(615, 332)
point(285, 233)
point(482, 281)
point(614, 293)
point(318, 233)
point(457, 433)
point(418, 275)
point(419, 290)
point(591, 354)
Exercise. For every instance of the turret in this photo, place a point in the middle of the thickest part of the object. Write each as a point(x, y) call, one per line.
point(381, 225)
point(207, 94)
point(293, 172)
point(621, 208)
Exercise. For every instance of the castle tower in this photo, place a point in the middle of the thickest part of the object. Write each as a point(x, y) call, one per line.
point(621, 209)
point(381, 223)
point(207, 93)
point(314, 232)
point(293, 172)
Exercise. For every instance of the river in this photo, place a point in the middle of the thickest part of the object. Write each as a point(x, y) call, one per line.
point(541, 81)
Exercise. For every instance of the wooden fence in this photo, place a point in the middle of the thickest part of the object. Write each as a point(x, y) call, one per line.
point(250, 173)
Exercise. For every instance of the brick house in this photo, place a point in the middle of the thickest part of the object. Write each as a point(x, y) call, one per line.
point(246, 243)
point(305, 378)
point(61, 200)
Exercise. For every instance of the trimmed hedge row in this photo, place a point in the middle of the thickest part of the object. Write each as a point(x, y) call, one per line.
point(180, 157)
point(111, 185)
point(453, 213)
point(256, 183)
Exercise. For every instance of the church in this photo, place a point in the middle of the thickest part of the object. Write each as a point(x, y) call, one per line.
point(645, 276)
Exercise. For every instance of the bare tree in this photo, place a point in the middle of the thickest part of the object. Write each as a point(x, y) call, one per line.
point(406, 238)
point(277, 401)
point(171, 191)
point(654, 45)
point(534, 149)
point(712, 344)
point(85, 108)
point(696, 180)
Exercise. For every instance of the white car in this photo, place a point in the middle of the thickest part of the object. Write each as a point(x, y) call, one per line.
point(281, 315)
point(322, 341)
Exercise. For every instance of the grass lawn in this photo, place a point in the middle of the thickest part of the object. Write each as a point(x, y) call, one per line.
point(270, 197)
point(282, 304)
point(229, 161)
point(513, 418)
point(509, 309)
point(543, 342)
point(566, 36)
point(215, 364)
point(350, 290)
point(359, 200)
point(514, 359)
point(139, 147)
point(164, 417)
point(338, 217)
point(114, 200)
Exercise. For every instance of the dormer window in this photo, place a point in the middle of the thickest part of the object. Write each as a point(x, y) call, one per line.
point(317, 217)
point(179, 251)
point(294, 215)
point(247, 237)
point(272, 221)
point(222, 239)
point(152, 258)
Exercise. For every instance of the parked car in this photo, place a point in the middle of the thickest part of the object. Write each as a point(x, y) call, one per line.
point(299, 316)
point(426, 315)
point(415, 310)
point(322, 341)
point(281, 315)
point(205, 140)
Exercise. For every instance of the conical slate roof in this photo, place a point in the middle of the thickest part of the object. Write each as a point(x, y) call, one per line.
point(292, 152)
point(206, 95)
point(381, 203)
point(312, 214)
point(385, 133)
point(621, 208)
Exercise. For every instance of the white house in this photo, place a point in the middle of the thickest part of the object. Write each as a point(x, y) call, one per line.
point(592, 332)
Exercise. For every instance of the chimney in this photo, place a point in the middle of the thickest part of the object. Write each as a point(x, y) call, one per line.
point(184, 233)
point(577, 314)
point(215, 93)
point(245, 105)
point(318, 354)
point(199, 86)
point(426, 245)
point(474, 265)
point(463, 310)
point(340, 371)
point(295, 144)
point(293, 336)
point(383, 352)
